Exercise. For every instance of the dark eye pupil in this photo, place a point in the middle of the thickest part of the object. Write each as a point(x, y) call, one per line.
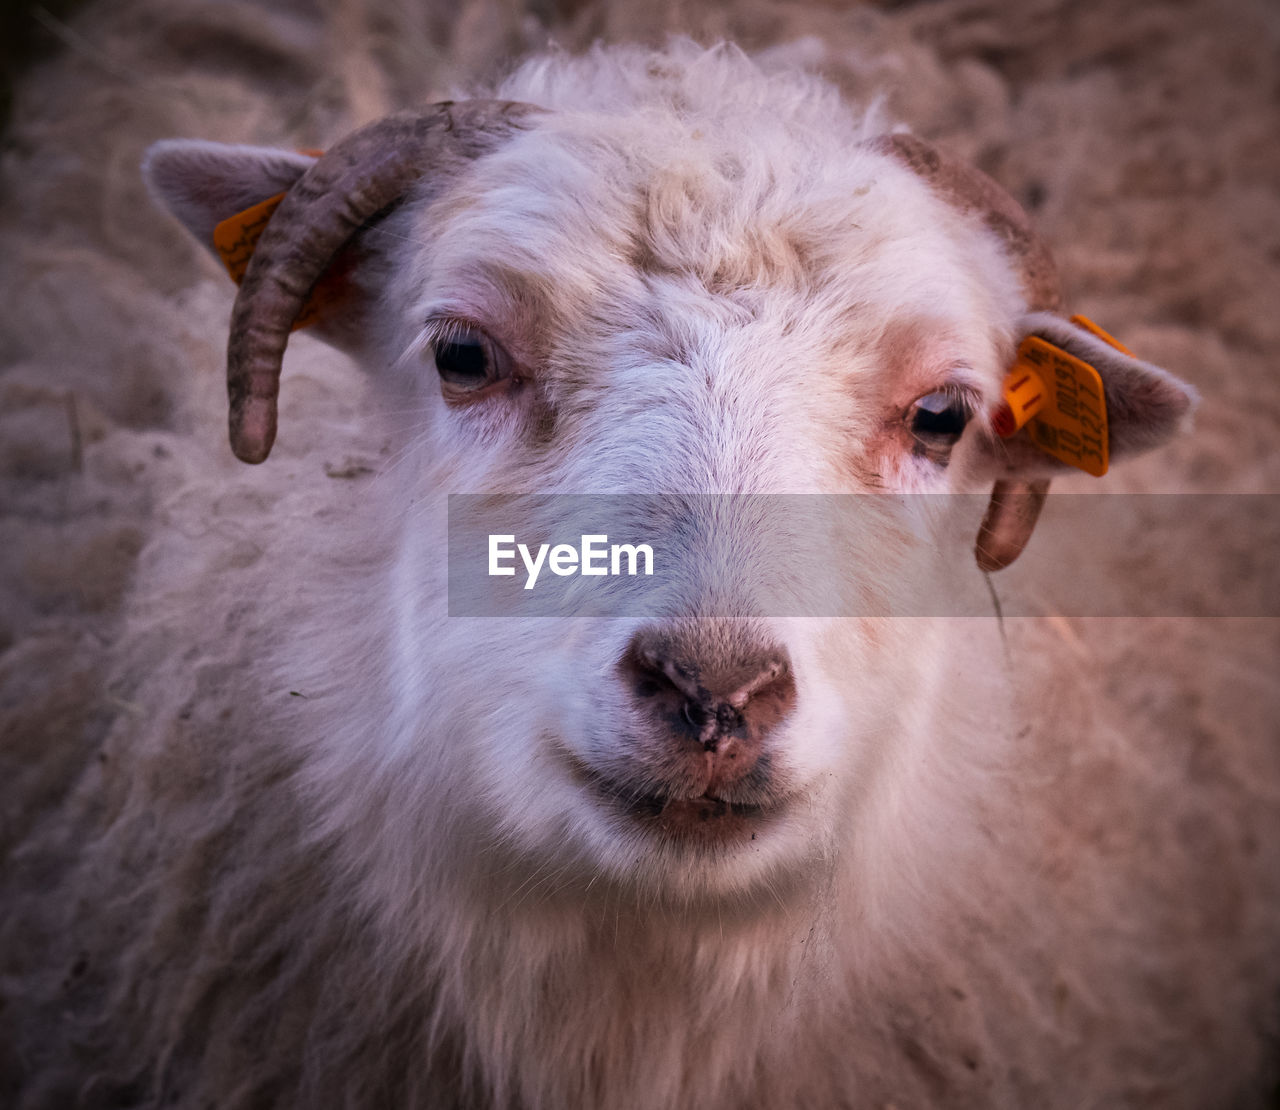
point(462, 361)
point(947, 423)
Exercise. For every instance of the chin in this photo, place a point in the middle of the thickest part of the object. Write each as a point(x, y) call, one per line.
point(688, 847)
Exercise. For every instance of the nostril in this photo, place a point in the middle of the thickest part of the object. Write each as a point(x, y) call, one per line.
point(694, 714)
point(711, 724)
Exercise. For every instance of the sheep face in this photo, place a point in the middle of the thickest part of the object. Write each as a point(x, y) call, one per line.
point(680, 294)
point(712, 329)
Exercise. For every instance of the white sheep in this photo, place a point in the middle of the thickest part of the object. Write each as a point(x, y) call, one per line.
point(483, 862)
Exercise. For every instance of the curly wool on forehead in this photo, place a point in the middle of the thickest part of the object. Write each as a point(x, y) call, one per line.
point(706, 87)
point(686, 183)
point(692, 160)
point(711, 123)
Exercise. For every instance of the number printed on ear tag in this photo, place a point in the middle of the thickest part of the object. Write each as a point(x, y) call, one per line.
point(1060, 400)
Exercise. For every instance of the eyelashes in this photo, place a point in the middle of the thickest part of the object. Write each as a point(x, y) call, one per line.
point(468, 360)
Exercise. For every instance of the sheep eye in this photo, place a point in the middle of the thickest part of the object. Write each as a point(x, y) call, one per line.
point(468, 361)
point(938, 419)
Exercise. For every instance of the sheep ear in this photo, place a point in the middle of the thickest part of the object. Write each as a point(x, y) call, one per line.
point(204, 183)
point(1144, 407)
point(208, 185)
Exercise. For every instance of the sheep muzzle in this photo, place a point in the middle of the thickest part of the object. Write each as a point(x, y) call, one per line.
point(708, 700)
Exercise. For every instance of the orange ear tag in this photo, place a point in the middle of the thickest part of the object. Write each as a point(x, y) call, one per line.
point(1060, 400)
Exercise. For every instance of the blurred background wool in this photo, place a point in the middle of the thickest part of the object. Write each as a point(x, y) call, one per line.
point(1142, 137)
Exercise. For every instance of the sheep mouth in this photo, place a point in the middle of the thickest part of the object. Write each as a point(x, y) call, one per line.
point(703, 817)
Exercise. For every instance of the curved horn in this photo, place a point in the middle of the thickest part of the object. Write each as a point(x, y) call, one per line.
point(359, 177)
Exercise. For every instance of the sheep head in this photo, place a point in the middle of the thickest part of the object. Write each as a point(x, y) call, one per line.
point(677, 291)
point(329, 201)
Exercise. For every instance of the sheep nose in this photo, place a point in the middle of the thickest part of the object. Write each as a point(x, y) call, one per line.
point(710, 691)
